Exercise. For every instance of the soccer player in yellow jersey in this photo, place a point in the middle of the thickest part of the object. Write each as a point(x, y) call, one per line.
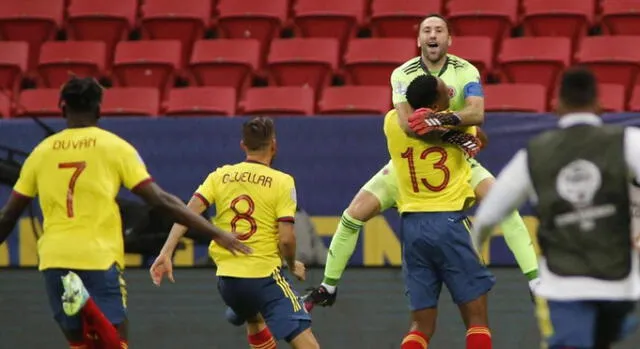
point(434, 190)
point(258, 203)
point(76, 174)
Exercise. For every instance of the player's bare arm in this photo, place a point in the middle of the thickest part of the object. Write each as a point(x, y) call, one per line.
point(287, 246)
point(10, 214)
point(157, 197)
point(163, 265)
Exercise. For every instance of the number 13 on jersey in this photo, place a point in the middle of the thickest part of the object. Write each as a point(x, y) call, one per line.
point(438, 165)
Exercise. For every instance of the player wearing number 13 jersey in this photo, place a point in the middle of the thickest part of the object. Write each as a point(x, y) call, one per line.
point(77, 174)
point(258, 204)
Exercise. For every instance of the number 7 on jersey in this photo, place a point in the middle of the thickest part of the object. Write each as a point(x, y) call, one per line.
point(78, 168)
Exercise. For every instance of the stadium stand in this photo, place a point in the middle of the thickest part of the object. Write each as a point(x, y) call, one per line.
point(39, 102)
point(201, 101)
point(634, 102)
point(476, 49)
point(400, 19)
point(299, 62)
point(164, 44)
point(534, 60)
point(130, 101)
point(33, 21)
point(14, 57)
point(371, 61)
point(527, 98)
point(225, 62)
point(285, 100)
point(107, 21)
point(621, 17)
point(612, 97)
point(346, 100)
point(5, 105)
point(59, 60)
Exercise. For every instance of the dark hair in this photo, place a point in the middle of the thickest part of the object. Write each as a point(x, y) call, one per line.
point(422, 92)
point(578, 88)
point(81, 95)
point(437, 15)
point(257, 133)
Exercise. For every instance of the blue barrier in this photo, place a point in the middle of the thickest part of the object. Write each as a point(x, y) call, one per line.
point(329, 157)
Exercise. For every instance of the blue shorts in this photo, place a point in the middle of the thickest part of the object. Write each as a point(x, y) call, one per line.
point(270, 296)
point(583, 324)
point(437, 248)
point(106, 287)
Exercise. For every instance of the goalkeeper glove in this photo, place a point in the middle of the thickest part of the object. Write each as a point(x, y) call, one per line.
point(469, 143)
point(425, 120)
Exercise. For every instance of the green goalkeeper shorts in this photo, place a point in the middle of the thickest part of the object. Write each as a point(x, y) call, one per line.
point(384, 185)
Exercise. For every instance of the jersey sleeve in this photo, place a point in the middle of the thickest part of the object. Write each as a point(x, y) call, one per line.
point(287, 201)
point(26, 184)
point(399, 83)
point(206, 190)
point(470, 79)
point(133, 171)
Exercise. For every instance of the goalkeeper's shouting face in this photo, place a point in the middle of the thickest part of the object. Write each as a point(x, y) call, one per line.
point(428, 91)
point(434, 38)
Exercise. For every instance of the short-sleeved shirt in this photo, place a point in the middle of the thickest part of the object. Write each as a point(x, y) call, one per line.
point(250, 200)
point(77, 174)
point(462, 78)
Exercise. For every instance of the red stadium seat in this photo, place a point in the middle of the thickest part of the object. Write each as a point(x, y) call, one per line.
point(60, 59)
point(14, 57)
point(611, 97)
point(346, 100)
point(526, 98)
point(613, 59)
point(336, 19)
point(568, 18)
point(108, 21)
point(253, 19)
point(184, 20)
point(621, 17)
point(493, 19)
point(201, 101)
point(33, 21)
point(371, 61)
point(634, 102)
point(299, 62)
point(476, 49)
point(5, 106)
point(39, 102)
point(130, 101)
point(400, 19)
point(146, 63)
point(225, 62)
point(534, 60)
point(289, 100)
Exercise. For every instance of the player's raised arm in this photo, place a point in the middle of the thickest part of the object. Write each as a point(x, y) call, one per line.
point(473, 112)
point(286, 211)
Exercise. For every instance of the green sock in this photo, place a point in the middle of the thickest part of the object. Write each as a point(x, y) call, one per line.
point(342, 246)
point(518, 239)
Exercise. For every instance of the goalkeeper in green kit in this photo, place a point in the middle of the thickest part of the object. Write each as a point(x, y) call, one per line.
point(380, 192)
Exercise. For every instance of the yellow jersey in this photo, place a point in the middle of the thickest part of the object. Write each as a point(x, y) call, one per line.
point(432, 177)
point(250, 199)
point(77, 174)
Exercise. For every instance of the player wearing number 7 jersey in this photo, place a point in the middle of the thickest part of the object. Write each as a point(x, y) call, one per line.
point(258, 203)
point(77, 174)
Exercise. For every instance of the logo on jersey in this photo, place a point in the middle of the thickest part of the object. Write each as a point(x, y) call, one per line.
point(399, 88)
point(578, 182)
point(452, 91)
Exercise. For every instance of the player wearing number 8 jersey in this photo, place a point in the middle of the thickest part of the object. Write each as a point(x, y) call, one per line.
point(258, 203)
point(77, 174)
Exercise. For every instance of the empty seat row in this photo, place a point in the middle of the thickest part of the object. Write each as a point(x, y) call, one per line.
point(346, 100)
point(313, 62)
point(36, 21)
